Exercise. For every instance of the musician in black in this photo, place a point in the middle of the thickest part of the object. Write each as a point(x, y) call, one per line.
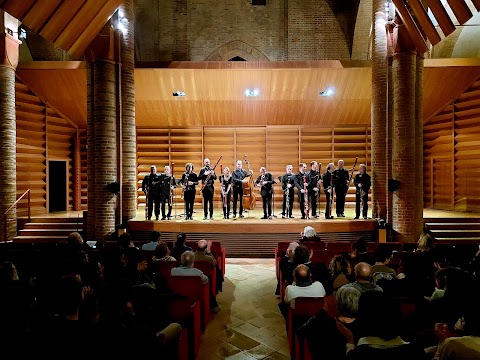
point(328, 185)
point(362, 183)
point(226, 184)
point(188, 182)
point(208, 190)
point(238, 178)
point(313, 187)
point(342, 180)
point(288, 184)
point(301, 183)
point(265, 183)
point(165, 187)
point(149, 187)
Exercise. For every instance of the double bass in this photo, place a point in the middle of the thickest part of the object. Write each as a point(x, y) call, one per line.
point(248, 187)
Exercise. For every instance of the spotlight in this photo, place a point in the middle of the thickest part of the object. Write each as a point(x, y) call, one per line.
point(179, 93)
point(252, 93)
point(328, 92)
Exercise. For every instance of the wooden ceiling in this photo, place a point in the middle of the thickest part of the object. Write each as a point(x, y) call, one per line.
point(69, 24)
point(216, 97)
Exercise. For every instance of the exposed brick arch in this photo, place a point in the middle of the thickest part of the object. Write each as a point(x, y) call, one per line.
point(237, 48)
point(361, 38)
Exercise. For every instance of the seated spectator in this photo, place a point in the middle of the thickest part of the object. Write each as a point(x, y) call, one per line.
point(162, 252)
point(126, 241)
point(359, 252)
point(204, 253)
point(179, 247)
point(302, 286)
point(380, 270)
point(308, 235)
point(425, 243)
point(362, 279)
point(340, 271)
point(154, 241)
point(440, 282)
point(347, 298)
point(301, 255)
point(285, 263)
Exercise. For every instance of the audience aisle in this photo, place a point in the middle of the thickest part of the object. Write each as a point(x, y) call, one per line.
point(249, 326)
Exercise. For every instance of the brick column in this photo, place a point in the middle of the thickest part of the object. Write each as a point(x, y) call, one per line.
point(403, 148)
point(379, 110)
point(419, 144)
point(389, 138)
point(8, 171)
point(101, 135)
point(129, 135)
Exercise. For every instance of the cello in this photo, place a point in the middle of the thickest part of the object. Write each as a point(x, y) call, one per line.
point(248, 193)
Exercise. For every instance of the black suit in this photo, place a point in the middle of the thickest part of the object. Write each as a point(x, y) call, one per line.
point(149, 187)
point(208, 190)
point(189, 193)
point(237, 177)
point(312, 194)
point(163, 186)
point(328, 183)
point(227, 189)
point(300, 179)
point(342, 178)
point(361, 192)
point(266, 191)
point(288, 179)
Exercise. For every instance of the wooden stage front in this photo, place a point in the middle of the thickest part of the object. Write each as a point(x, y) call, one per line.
point(252, 236)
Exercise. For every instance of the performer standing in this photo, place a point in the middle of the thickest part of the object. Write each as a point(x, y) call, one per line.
point(208, 189)
point(362, 183)
point(314, 176)
point(165, 186)
point(188, 181)
point(300, 178)
point(265, 182)
point(226, 183)
point(288, 183)
point(342, 179)
point(328, 184)
point(238, 178)
point(151, 194)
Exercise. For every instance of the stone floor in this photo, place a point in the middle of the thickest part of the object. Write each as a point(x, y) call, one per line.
point(249, 326)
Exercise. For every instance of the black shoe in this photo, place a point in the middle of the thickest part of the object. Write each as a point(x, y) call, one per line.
point(224, 217)
point(270, 217)
point(342, 215)
point(264, 217)
point(283, 216)
point(303, 216)
point(291, 217)
point(169, 217)
point(241, 216)
point(365, 218)
point(234, 216)
point(164, 218)
point(204, 218)
point(211, 217)
point(339, 215)
point(156, 218)
point(150, 218)
point(228, 216)
point(355, 218)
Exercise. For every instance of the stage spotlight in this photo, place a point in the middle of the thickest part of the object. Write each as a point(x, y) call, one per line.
point(252, 93)
point(328, 92)
point(179, 93)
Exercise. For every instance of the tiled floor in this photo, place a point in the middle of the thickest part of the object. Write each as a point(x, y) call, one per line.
point(249, 326)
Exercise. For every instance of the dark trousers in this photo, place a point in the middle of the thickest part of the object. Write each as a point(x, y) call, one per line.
point(301, 200)
point(290, 203)
point(340, 202)
point(207, 202)
point(226, 207)
point(267, 205)
point(328, 209)
point(189, 197)
point(153, 199)
point(358, 200)
point(169, 208)
point(237, 193)
point(313, 202)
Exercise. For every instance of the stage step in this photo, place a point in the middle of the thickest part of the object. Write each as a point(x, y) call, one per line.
point(452, 220)
point(39, 239)
point(454, 229)
point(48, 229)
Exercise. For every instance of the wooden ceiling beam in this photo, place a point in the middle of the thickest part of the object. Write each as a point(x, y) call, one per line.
point(59, 21)
point(18, 9)
point(39, 14)
point(444, 21)
point(425, 22)
point(476, 3)
point(461, 10)
point(411, 27)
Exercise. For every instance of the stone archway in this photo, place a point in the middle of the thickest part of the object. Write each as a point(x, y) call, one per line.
point(237, 48)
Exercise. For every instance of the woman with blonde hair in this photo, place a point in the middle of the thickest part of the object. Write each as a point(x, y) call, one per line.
point(340, 271)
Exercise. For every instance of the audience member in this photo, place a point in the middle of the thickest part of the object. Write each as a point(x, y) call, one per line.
point(340, 271)
point(359, 252)
point(179, 247)
point(204, 253)
point(162, 252)
point(308, 235)
point(303, 286)
point(285, 263)
point(362, 279)
point(154, 241)
point(347, 298)
point(380, 270)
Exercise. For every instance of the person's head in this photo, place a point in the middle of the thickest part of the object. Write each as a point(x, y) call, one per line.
point(125, 240)
point(154, 236)
point(8, 272)
point(440, 279)
point(330, 167)
point(188, 167)
point(425, 242)
point(161, 250)
point(302, 255)
point(362, 272)
point(166, 170)
point(181, 239)
point(292, 246)
point(314, 165)
point(362, 168)
point(202, 245)
point(379, 315)
point(187, 259)
point(302, 167)
point(347, 301)
point(141, 300)
point(263, 170)
point(289, 169)
point(153, 169)
point(383, 255)
point(340, 164)
point(206, 162)
point(309, 233)
point(302, 276)
point(339, 265)
point(360, 246)
point(74, 239)
point(226, 170)
point(239, 164)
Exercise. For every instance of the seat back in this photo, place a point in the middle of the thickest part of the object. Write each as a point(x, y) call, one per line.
point(314, 245)
point(322, 257)
point(187, 286)
point(206, 267)
point(339, 246)
point(162, 269)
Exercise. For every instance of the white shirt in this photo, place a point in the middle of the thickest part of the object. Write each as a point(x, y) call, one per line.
point(293, 291)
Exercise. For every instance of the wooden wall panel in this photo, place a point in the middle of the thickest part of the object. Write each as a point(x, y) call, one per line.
point(83, 168)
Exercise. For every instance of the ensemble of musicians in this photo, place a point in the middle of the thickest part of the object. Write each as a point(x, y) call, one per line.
point(159, 190)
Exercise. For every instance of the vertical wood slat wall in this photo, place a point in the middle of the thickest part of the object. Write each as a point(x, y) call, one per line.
point(270, 146)
point(83, 169)
point(42, 135)
point(451, 154)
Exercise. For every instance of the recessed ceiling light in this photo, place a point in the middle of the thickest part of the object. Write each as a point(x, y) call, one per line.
point(252, 93)
point(178, 93)
point(327, 92)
